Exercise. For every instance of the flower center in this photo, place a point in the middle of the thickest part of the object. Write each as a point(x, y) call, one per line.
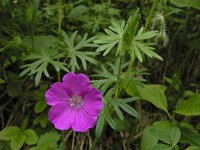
point(75, 101)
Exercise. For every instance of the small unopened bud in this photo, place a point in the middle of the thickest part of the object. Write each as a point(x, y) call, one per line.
point(158, 22)
point(162, 39)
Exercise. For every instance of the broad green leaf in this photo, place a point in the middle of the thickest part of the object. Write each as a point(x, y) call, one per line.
point(154, 93)
point(189, 107)
point(158, 131)
point(40, 106)
point(31, 136)
point(188, 136)
point(42, 119)
point(186, 3)
point(100, 124)
point(17, 141)
point(175, 135)
point(148, 139)
point(47, 141)
point(162, 130)
point(193, 148)
point(165, 137)
point(162, 147)
point(9, 133)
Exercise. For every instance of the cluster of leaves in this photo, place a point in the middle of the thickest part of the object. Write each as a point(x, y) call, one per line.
point(40, 41)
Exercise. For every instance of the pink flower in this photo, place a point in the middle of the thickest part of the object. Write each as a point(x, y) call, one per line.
point(75, 104)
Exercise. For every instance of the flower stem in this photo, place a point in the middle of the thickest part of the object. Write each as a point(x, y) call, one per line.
point(150, 15)
point(63, 139)
point(117, 92)
point(93, 144)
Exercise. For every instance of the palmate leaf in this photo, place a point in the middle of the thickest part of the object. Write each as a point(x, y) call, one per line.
point(122, 103)
point(107, 75)
point(112, 39)
point(138, 46)
point(40, 62)
point(74, 53)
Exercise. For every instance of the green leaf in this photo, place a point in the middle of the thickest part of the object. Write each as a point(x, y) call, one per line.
point(31, 136)
point(112, 39)
point(154, 93)
point(77, 12)
point(100, 124)
point(131, 111)
point(148, 139)
point(162, 147)
point(17, 141)
point(175, 136)
point(40, 106)
point(158, 131)
point(9, 133)
point(119, 113)
point(130, 30)
point(42, 119)
point(193, 148)
point(165, 137)
point(189, 107)
point(75, 51)
point(13, 85)
point(108, 117)
point(40, 61)
point(186, 3)
point(2, 81)
point(47, 141)
point(188, 136)
point(40, 42)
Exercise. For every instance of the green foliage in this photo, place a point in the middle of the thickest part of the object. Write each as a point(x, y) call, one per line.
point(100, 124)
point(107, 76)
point(40, 63)
point(138, 46)
point(17, 137)
point(73, 50)
point(186, 3)
point(189, 107)
point(154, 94)
point(122, 103)
point(46, 39)
point(114, 38)
point(47, 141)
point(163, 131)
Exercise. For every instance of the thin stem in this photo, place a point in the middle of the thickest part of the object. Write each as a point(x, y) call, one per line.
point(93, 144)
point(59, 15)
point(118, 77)
point(63, 140)
point(150, 15)
point(73, 141)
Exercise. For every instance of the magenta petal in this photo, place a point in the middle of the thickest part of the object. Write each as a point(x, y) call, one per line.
point(92, 102)
point(82, 121)
point(60, 116)
point(57, 93)
point(76, 82)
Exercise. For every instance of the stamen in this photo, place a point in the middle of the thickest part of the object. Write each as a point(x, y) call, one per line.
point(75, 101)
